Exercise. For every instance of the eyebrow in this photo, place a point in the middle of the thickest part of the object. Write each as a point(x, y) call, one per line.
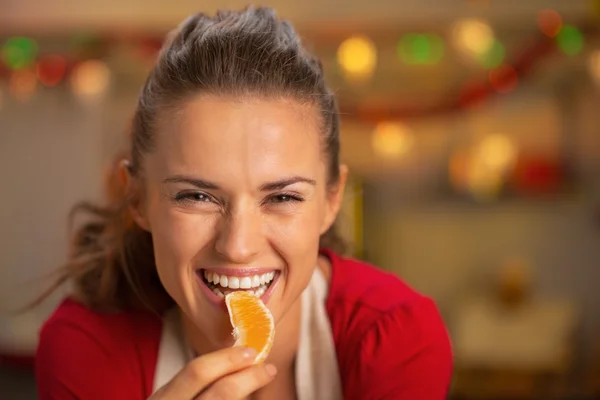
point(199, 183)
point(266, 187)
point(282, 183)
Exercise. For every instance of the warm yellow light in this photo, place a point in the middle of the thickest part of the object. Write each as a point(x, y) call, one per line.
point(357, 56)
point(497, 152)
point(482, 169)
point(473, 36)
point(484, 185)
point(594, 65)
point(392, 140)
point(90, 79)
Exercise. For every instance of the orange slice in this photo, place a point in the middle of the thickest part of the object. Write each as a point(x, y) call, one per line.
point(252, 322)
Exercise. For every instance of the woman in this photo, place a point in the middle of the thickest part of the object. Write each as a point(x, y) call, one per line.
point(234, 172)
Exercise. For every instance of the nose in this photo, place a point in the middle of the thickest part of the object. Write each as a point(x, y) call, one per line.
point(240, 236)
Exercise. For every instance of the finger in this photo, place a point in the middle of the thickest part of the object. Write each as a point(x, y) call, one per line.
point(203, 371)
point(240, 384)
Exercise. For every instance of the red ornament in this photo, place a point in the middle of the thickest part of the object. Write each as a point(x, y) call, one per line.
point(537, 175)
point(51, 70)
point(550, 22)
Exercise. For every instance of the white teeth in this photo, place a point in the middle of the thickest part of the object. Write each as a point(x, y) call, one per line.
point(260, 291)
point(234, 282)
point(266, 278)
point(224, 281)
point(245, 283)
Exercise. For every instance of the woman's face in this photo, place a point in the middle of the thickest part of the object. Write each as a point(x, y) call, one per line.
point(235, 196)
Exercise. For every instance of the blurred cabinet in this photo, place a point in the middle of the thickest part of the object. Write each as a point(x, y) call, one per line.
point(521, 353)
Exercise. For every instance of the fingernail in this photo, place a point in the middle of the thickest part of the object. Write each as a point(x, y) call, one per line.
point(271, 370)
point(248, 353)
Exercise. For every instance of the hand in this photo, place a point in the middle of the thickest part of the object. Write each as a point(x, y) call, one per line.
point(225, 374)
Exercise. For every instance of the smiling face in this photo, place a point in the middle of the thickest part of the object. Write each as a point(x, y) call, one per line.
point(236, 193)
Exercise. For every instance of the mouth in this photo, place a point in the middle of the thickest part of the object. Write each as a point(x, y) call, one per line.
point(258, 283)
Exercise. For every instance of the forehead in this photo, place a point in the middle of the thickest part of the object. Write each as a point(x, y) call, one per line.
point(249, 137)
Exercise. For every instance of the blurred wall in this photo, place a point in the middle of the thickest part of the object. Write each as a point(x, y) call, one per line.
point(49, 160)
point(40, 14)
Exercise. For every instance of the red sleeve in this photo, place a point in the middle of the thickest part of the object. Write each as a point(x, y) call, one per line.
point(405, 354)
point(72, 364)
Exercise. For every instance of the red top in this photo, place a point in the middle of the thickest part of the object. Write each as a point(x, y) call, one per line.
point(390, 341)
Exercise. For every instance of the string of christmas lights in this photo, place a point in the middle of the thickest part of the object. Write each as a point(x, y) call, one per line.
point(23, 65)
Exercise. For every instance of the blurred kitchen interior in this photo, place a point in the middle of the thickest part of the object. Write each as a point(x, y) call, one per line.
point(471, 129)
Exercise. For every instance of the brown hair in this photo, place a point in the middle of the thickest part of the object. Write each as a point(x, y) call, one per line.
point(246, 53)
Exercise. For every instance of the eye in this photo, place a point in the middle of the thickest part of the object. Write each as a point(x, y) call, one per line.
point(285, 198)
point(193, 197)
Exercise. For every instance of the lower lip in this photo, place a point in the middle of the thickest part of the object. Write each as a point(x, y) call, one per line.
point(220, 302)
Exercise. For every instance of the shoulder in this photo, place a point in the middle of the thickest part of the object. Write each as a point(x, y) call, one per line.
point(362, 297)
point(386, 332)
point(113, 332)
point(77, 344)
point(360, 286)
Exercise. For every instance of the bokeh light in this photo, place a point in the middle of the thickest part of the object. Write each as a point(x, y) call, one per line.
point(418, 48)
point(19, 52)
point(594, 65)
point(493, 57)
point(497, 152)
point(86, 45)
point(550, 22)
point(22, 84)
point(357, 56)
point(484, 185)
point(459, 169)
point(504, 79)
point(51, 70)
point(90, 79)
point(392, 139)
point(484, 169)
point(474, 37)
point(570, 40)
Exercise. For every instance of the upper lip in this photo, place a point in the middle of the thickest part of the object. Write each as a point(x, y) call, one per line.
point(239, 271)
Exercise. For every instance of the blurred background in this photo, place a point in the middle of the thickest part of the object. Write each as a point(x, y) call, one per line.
point(471, 128)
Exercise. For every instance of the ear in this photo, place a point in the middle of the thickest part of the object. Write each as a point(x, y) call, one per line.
point(335, 196)
point(135, 195)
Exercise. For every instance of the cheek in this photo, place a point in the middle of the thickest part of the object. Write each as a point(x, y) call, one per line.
point(297, 235)
point(177, 236)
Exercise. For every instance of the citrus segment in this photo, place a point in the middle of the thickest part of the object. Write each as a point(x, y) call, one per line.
point(252, 322)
